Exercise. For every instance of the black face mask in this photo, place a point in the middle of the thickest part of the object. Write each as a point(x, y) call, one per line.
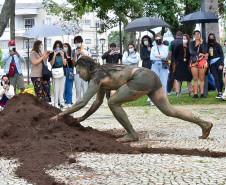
point(211, 40)
point(158, 42)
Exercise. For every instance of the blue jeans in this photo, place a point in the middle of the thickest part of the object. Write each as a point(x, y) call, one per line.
point(68, 87)
point(162, 73)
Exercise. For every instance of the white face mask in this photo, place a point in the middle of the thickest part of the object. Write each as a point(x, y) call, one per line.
point(185, 41)
point(78, 45)
point(12, 47)
point(65, 49)
point(131, 50)
point(146, 43)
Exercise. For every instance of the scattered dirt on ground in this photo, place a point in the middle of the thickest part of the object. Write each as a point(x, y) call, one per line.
point(25, 134)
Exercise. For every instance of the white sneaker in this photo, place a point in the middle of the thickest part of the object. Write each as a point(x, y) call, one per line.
point(68, 105)
point(151, 103)
point(56, 105)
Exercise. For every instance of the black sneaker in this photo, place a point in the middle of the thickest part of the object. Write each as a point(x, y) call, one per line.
point(195, 96)
point(221, 99)
point(218, 96)
point(202, 96)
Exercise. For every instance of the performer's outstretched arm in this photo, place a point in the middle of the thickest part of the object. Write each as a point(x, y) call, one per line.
point(96, 104)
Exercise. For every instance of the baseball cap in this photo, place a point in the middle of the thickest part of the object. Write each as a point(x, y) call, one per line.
point(11, 42)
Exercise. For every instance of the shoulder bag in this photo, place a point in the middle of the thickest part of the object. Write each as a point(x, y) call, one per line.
point(46, 73)
point(70, 73)
point(164, 61)
point(12, 68)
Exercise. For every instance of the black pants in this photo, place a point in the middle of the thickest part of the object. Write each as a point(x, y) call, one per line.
point(170, 80)
point(218, 76)
point(108, 94)
point(147, 64)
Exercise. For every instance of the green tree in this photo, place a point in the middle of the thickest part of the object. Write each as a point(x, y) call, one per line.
point(1, 63)
point(114, 37)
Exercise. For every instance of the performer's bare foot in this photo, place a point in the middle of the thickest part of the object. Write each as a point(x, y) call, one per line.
point(206, 131)
point(128, 138)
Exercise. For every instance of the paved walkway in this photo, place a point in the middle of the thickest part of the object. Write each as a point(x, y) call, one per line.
point(155, 130)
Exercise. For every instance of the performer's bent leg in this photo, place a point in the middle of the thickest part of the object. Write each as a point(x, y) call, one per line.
point(160, 99)
point(122, 95)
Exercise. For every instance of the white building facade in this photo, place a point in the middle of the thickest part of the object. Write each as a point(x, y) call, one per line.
point(34, 14)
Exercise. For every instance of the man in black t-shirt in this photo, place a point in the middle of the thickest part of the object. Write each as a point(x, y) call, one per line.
point(112, 56)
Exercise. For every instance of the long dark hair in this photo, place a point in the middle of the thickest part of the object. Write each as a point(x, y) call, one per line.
point(36, 46)
point(209, 43)
point(133, 47)
point(189, 40)
point(69, 48)
point(57, 42)
point(149, 40)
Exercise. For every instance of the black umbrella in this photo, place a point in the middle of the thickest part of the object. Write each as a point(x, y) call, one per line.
point(145, 23)
point(199, 17)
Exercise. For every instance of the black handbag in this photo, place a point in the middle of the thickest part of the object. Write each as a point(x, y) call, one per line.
point(164, 61)
point(46, 73)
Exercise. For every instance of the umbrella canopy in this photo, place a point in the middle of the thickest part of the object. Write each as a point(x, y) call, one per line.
point(145, 23)
point(199, 17)
point(44, 30)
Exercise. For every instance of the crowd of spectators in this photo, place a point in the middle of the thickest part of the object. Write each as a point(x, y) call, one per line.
point(174, 62)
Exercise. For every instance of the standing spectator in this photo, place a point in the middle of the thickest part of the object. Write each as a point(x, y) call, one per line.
point(58, 62)
point(172, 48)
point(12, 60)
point(182, 71)
point(6, 91)
point(159, 52)
point(199, 65)
point(69, 75)
point(131, 56)
point(216, 62)
point(41, 85)
point(112, 56)
point(80, 50)
point(145, 51)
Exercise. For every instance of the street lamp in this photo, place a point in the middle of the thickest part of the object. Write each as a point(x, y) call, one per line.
point(28, 26)
point(102, 41)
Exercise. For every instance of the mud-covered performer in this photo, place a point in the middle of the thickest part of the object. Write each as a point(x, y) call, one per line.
point(130, 84)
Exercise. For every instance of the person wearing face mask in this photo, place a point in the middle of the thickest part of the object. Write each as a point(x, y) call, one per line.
point(12, 60)
point(145, 51)
point(58, 62)
point(38, 59)
point(112, 56)
point(182, 72)
point(80, 85)
point(172, 47)
point(131, 56)
point(159, 53)
point(69, 75)
point(6, 91)
point(216, 62)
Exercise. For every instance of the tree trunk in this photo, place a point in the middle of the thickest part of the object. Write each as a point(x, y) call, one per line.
point(12, 21)
point(211, 6)
point(4, 16)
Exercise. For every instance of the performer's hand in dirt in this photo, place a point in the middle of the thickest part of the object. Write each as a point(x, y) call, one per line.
point(131, 83)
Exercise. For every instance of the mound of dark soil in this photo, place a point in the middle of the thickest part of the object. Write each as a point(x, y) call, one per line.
point(25, 134)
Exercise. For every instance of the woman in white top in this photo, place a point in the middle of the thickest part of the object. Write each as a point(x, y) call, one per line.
point(159, 52)
point(131, 56)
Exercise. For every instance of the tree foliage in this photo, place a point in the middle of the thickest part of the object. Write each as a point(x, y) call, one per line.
point(114, 37)
point(4, 16)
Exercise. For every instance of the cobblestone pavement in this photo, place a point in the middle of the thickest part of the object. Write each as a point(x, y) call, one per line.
point(155, 130)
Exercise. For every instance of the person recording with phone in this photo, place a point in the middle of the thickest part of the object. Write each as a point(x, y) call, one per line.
point(6, 91)
point(13, 69)
point(112, 56)
point(58, 62)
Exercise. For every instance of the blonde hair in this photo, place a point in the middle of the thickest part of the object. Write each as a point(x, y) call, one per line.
point(158, 35)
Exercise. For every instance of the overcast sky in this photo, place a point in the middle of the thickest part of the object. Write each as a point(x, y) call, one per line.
point(33, 1)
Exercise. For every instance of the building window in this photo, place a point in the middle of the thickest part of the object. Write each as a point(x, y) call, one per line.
point(4, 44)
point(88, 22)
point(48, 20)
point(87, 41)
point(29, 22)
point(49, 43)
point(31, 43)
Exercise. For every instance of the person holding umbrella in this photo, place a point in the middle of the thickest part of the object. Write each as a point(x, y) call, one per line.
point(145, 51)
point(198, 63)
